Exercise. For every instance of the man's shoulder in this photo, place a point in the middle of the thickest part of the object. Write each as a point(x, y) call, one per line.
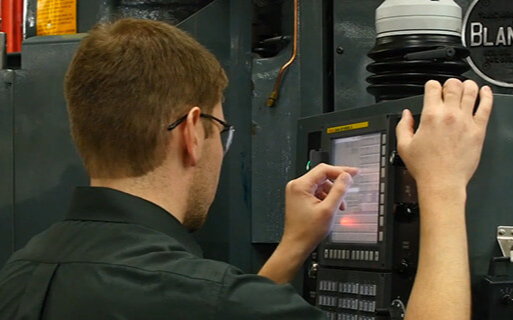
point(133, 248)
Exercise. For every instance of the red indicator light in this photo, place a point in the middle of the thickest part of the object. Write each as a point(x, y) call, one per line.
point(346, 221)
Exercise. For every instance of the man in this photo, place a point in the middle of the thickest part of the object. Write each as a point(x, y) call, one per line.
point(144, 101)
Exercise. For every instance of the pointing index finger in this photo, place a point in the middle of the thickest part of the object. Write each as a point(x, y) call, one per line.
point(323, 171)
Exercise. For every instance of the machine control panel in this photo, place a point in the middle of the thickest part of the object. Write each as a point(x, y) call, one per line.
point(343, 271)
point(354, 295)
point(378, 229)
point(374, 241)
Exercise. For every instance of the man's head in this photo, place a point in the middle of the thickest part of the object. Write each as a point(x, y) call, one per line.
point(127, 82)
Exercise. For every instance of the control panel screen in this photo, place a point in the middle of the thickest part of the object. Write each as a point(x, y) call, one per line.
point(358, 223)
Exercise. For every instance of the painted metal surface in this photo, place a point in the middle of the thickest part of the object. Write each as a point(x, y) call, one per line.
point(173, 11)
point(6, 164)
point(273, 141)
point(354, 32)
point(239, 103)
point(46, 163)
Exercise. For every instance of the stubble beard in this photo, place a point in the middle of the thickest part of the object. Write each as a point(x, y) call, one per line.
point(200, 197)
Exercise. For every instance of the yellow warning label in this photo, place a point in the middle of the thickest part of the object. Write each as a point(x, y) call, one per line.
point(55, 17)
point(349, 127)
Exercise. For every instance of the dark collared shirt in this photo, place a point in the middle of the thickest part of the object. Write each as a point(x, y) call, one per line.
point(116, 256)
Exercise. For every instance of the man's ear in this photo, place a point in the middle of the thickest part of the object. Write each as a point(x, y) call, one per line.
point(193, 136)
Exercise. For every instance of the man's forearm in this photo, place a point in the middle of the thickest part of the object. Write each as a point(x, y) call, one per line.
point(443, 276)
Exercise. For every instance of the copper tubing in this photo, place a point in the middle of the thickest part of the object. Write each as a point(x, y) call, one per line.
point(274, 95)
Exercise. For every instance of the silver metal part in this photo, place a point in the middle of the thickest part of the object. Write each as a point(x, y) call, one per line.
point(397, 310)
point(505, 239)
point(312, 270)
point(3, 51)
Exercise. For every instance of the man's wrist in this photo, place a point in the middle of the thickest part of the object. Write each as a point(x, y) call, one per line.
point(297, 248)
point(442, 190)
point(293, 250)
point(441, 205)
point(284, 262)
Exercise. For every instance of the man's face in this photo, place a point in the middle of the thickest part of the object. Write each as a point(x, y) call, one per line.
point(206, 176)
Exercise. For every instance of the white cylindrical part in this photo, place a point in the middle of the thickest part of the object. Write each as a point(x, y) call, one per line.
point(403, 17)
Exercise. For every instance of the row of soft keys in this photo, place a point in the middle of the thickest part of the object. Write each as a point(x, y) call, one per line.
point(347, 287)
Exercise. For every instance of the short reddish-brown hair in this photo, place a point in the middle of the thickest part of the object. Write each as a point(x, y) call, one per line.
point(128, 80)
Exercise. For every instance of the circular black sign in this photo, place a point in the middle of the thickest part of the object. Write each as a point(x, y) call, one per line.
point(488, 33)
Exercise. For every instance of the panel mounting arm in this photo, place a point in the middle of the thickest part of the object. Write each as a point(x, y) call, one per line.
point(505, 239)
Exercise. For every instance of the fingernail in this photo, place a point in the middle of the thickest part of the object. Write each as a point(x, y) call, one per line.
point(404, 113)
point(487, 88)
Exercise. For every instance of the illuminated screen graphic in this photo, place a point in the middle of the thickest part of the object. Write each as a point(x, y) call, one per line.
point(358, 223)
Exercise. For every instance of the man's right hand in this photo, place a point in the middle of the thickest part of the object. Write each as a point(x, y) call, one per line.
point(311, 203)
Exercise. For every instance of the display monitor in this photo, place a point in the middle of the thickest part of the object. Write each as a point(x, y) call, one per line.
point(358, 223)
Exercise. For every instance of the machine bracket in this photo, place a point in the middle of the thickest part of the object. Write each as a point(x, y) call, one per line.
point(397, 310)
point(505, 239)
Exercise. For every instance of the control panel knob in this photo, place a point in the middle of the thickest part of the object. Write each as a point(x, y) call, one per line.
point(406, 212)
point(404, 266)
point(312, 270)
point(395, 159)
point(507, 300)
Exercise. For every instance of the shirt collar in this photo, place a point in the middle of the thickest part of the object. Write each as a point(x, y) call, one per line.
point(109, 205)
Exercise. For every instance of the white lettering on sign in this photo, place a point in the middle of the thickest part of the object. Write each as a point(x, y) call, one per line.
point(480, 36)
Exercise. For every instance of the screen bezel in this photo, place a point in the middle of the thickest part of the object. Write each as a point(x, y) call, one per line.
point(380, 124)
point(375, 214)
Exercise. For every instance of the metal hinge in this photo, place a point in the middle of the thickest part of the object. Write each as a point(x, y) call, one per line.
point(3, 50)
point(505, 239)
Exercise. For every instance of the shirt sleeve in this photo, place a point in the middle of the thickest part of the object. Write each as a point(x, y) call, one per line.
point(247, 296)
